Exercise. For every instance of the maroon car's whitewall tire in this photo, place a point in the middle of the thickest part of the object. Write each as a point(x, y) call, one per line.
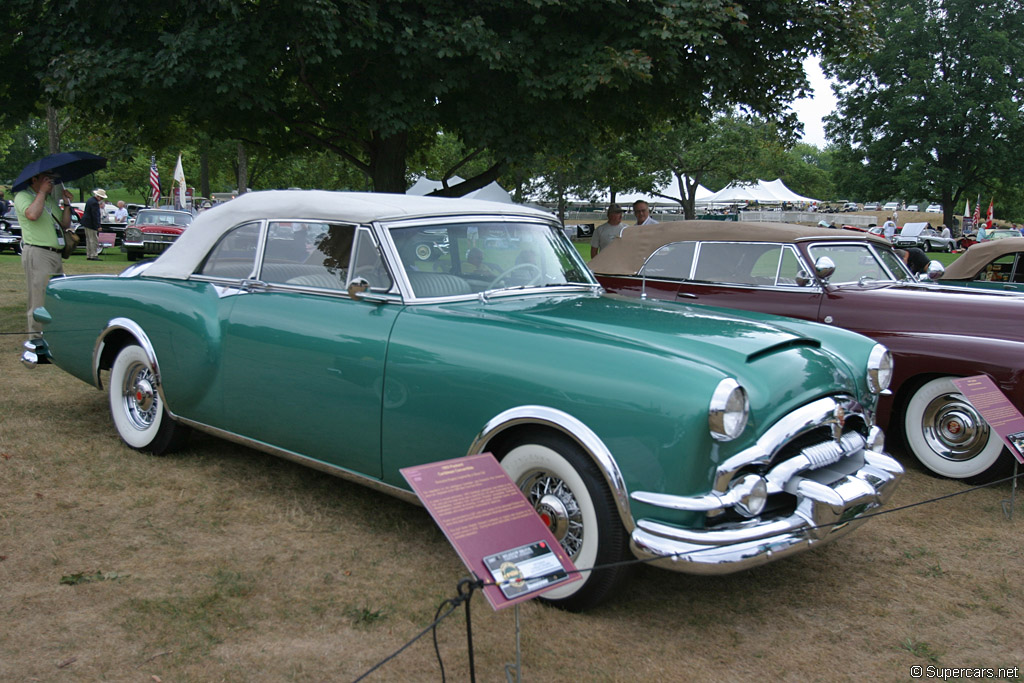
point(567, 489)
point(948, 436)
point(136, 406)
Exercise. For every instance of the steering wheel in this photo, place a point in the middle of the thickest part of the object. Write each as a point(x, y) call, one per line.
point(522, 266)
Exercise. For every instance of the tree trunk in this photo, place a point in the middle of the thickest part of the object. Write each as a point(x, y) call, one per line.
point(204, 169)
point(387, 163)
point(243, 168)
point(52, 129)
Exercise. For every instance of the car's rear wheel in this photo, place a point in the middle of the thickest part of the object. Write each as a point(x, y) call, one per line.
point(949, 437)
point(137, 408)
point(572, 498)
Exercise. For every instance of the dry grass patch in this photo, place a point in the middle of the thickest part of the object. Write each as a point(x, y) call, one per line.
point(220, 563)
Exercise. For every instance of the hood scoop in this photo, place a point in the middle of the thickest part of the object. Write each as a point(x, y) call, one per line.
point(797, 342)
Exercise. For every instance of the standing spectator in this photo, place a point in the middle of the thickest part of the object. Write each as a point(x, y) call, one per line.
point(944, 231)
point(606, 232)
point(3, 204)
point(91, 220)
point(889, 228)
point(642, 212)
point(121, 213)
point(43, 225)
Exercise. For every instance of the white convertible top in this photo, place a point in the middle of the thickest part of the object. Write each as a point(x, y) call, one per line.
point(185, 255)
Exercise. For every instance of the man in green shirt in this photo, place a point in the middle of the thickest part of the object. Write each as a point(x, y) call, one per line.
point(43, 224)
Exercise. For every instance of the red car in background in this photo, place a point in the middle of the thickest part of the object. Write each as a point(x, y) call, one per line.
point(153, 231)
point(855, 281)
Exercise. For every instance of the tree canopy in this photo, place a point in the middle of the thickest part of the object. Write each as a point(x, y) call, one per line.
point(935, 111)
point(372, 82)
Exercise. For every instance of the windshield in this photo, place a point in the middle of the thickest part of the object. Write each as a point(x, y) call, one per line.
point(861, 262)
point(472, 257)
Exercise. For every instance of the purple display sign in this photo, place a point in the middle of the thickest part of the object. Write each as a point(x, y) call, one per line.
point(1001, 415)
point(492, 527)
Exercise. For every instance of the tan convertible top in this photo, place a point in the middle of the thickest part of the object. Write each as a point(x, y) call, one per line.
point(980, 255)
point(626, 255)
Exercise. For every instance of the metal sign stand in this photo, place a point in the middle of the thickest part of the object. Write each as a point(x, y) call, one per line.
point(514, 672)
point(1011, 502)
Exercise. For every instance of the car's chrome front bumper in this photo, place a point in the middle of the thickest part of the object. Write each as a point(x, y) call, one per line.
point(825, 512)
point(834, 483)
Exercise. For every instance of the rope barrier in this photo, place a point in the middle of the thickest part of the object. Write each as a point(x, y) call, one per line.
point(475, 583)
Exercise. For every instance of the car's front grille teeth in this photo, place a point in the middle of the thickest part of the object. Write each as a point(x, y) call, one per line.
point(818, 446)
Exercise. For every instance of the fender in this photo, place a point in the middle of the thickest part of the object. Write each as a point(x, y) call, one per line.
point(575, 430)
point(116, 325)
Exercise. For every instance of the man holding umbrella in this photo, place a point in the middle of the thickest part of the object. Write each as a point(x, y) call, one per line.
point(46, 227)
point(39, 216)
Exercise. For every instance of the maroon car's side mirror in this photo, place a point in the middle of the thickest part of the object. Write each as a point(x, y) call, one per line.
point(824, 267)
point(933, 271)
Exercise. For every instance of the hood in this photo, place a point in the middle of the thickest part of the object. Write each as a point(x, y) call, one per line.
point(912, 229)
point(653, 345)
point(924, 308)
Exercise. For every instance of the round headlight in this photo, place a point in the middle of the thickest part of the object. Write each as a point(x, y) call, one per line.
point(133, 234)
point(879, 369)
point(751, 495)
point(727, 414)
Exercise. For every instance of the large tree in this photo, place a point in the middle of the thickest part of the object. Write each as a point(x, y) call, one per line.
point(935, 110)
point(373, 81)
point(710, 151)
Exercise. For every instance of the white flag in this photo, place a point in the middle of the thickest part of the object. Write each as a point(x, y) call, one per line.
point(179, 177)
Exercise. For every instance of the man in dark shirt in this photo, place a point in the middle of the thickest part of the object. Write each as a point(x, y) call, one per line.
point(91, 220)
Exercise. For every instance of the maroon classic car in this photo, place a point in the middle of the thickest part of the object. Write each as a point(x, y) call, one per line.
point(153, 231)
point(854, 281)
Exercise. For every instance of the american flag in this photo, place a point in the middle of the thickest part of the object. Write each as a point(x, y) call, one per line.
point(154, 181)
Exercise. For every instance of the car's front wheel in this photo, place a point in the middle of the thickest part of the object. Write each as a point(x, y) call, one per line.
point(949, 437)
point(566, 488)
point(137, 408)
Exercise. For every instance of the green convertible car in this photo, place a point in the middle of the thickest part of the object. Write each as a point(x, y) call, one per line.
point(364, 333)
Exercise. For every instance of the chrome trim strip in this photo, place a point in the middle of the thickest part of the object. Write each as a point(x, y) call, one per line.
point(571, 427)
point(305, 461)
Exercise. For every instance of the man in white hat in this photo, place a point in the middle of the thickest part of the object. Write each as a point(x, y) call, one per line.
point(91, 220)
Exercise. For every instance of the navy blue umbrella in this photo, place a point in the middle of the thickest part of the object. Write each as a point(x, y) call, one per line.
point(67, 165)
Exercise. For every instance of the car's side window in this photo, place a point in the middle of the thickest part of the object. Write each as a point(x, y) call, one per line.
point(999, 270)
point(307, 254)
point(367, 262)
point(672, 261)
point(1018, 271)
point(789, 268)
point(853, 262)
point(234, 256)
point(750, 263)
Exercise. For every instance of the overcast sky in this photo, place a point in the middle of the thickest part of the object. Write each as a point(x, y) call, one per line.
point(812, 110)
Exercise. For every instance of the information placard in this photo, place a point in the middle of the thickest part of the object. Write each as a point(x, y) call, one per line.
point(1001, 415)
point(493, 528)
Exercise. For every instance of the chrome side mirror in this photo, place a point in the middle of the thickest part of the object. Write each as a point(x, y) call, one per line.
point(357, 286)
point(933, 271)
point(803, 279)
point(824, 267)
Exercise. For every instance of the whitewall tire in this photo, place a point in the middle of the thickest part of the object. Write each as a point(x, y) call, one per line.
point(569, 493)
point(136, 406)
point(948, 435)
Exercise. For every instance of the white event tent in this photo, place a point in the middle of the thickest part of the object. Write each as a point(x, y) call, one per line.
point(492, 192)
point(762, 192)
